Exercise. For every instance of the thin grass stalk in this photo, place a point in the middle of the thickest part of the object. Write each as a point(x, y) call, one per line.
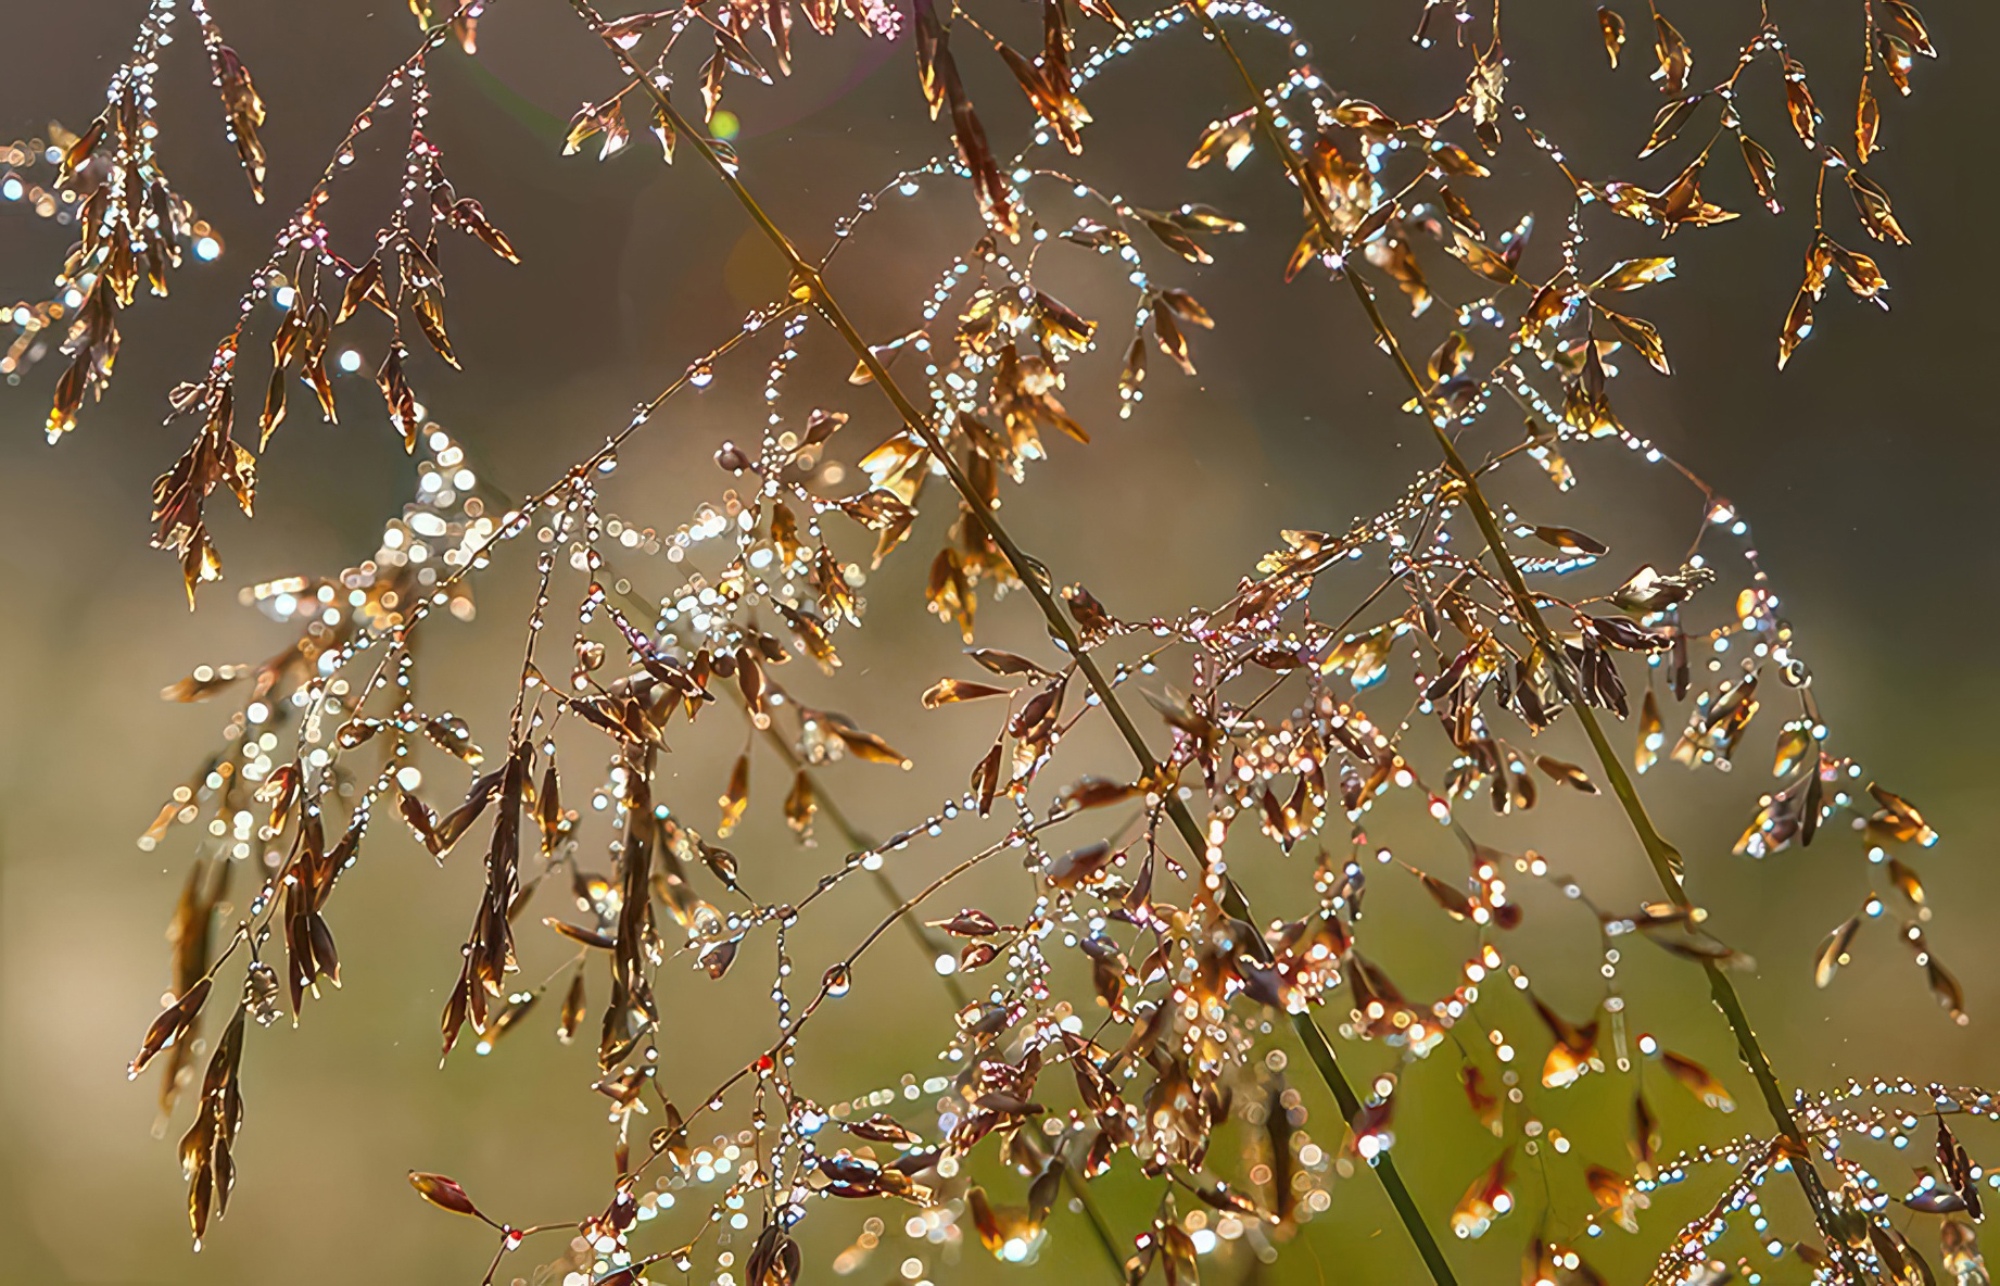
point(809, 285)
point(1662, 855)
point(861, 842)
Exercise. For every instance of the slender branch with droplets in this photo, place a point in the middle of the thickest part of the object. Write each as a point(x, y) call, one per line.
point(1665, 859)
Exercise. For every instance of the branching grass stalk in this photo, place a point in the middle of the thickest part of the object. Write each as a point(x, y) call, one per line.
point(1663, 856)
point(808, 285)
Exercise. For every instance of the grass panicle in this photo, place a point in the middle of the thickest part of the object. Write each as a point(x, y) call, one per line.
point(1124, 1018)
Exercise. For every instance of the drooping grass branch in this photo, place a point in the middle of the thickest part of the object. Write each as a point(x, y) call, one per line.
point(1665, 859)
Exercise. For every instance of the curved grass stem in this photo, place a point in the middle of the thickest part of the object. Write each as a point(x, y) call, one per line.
point(809, 285)
point(1662, 855)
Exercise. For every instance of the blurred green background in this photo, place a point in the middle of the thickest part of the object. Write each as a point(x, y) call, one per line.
point(1867, 470)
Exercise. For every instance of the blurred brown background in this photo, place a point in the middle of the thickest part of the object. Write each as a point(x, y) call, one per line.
point(1868, 470)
